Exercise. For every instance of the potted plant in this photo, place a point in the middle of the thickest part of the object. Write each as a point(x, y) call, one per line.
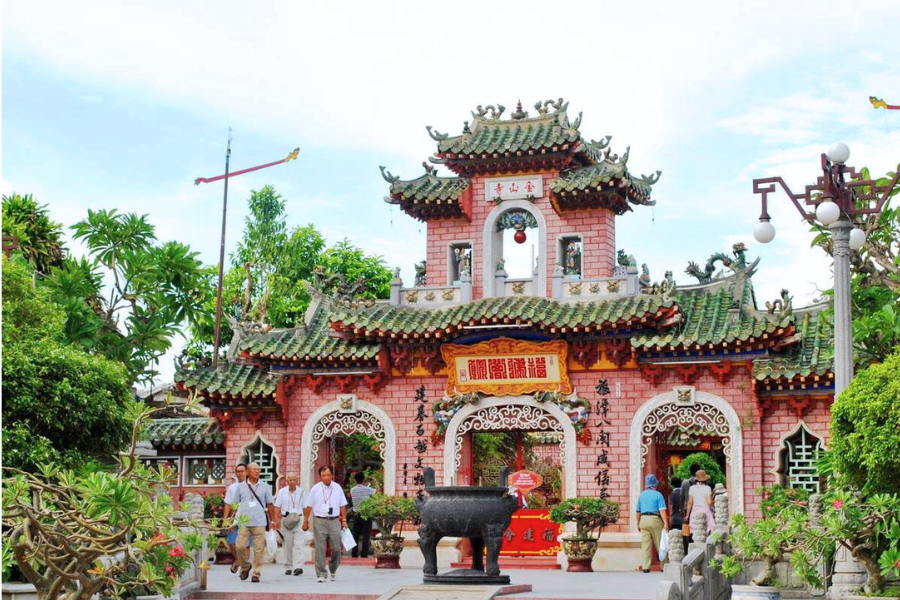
point(387, 510)
point(590, 516)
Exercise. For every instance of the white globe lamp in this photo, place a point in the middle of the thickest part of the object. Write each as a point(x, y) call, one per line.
point(839, 153)
point(857, 238)
point(828, 212)
point(764, 232)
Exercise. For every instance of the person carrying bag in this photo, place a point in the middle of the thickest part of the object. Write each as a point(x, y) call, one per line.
point(255, 498)
point(290, 499)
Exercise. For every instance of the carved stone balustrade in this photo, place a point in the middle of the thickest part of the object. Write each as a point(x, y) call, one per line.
point(596, 288)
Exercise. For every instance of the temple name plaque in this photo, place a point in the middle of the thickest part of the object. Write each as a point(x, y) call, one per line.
point(517, 188)
point(507, 367)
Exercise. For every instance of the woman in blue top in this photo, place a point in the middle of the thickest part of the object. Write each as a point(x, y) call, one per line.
point(652, 518)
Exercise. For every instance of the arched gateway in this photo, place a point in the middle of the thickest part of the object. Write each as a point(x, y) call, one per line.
point(684, 406)
point(505, 413)
point(348, 415)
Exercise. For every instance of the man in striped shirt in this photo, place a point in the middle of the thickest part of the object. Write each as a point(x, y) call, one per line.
point(362, 528)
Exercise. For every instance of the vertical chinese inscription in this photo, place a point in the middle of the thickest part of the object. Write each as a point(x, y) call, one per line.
point(421, 446)
point(602, 437)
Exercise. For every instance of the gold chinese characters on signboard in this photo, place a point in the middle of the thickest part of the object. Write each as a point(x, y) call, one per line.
point(506, 367)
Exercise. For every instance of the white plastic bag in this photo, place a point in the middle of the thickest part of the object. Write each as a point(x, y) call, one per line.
point(272, 542)
point(663, 545)
point(347, 540)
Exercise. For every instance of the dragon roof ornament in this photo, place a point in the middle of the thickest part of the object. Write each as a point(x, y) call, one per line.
point(388, 176)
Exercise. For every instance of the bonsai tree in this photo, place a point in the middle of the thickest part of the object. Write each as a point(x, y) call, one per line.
point(785, 518)
point(73, 535)
point(387, 510)
point(589, 515)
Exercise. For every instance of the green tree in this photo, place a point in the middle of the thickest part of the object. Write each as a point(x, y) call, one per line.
point(40, 238)
point(865, 429)
point(269, 268)
point(706, 462)
point(60, 404)
point(155, 288)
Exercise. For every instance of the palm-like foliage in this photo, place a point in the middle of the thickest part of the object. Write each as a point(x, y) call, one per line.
point(40, 239)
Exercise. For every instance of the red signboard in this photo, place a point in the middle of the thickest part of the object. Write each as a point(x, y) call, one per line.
point(531, 533)
point(525, 481)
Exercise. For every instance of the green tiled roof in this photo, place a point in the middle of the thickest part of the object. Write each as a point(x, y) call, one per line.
point(385, 321)
point(309, 345)
point(490, 136)
point(429, 196)
point(708, 322)
point(601, 184)
point(814, 355)
point(244, 381)
point(186, 433)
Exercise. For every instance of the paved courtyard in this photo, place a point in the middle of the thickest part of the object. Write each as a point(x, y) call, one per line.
point(359, 583)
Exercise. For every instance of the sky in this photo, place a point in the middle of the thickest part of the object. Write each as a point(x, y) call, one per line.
point(122, 105)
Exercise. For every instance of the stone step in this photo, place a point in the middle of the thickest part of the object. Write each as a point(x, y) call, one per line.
point(544, 563)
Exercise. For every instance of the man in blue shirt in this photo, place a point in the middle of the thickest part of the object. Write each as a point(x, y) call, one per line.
point(652, 518)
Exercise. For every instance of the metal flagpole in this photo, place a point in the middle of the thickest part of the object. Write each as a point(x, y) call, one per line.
point(221, 255)
point(226, 176)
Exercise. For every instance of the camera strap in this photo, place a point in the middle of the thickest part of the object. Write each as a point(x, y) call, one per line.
point(252, 491)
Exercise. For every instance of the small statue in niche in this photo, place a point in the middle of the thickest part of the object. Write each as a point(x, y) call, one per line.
point(573, 258)
point(420, 274)
point(463, 258)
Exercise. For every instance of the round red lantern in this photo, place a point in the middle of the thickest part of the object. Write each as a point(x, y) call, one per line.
point(520, 237)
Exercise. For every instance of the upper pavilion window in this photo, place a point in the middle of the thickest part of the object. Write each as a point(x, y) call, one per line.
point(460, 261)
point(569, 252)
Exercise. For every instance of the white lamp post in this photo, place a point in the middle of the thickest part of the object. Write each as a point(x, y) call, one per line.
point(836, 203)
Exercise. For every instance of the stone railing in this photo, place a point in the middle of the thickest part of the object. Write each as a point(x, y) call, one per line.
point(518, 287)
point(192, 508)
point(596, 288)
point(690, 577)
point(431, 296)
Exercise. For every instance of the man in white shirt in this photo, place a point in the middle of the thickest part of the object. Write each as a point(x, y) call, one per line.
point(291, 502)
point(240, 473)
point(255, 499)
point(326, 501)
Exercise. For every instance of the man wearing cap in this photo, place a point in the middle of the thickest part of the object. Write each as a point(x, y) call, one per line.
point(652, 518)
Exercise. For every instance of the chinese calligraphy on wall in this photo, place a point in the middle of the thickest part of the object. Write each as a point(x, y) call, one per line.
point(602, 438)
point(513, 189)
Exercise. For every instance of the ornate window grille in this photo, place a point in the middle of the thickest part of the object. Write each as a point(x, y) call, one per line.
point(205, 470)
point(262, 454)
point(798, 455)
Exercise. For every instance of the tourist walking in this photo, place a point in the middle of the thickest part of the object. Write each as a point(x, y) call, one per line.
point(700, 500)
point(685, 494)
point(240, 473)
point(676, 504)
point(652, 518)
point(328, 505)
point(362, 528)
point(291, 501)
point(255, 498)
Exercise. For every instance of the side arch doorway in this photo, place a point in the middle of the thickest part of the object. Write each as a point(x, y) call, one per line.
point(347, 416)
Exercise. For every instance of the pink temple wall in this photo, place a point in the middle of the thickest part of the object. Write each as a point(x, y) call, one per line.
point(397, 399)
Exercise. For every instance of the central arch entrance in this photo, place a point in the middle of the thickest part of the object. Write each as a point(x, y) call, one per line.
point(505, 414)
point(346, 416)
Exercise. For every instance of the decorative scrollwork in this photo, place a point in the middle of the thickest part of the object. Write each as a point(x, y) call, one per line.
point(337, 423)
point(504, 417)
point(699, 415)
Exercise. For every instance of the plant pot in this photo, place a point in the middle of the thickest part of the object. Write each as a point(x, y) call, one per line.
point(755, 592)
point(580, 553)
point(387, 551)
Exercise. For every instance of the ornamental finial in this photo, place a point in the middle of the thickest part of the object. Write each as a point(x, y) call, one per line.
point(519, 114)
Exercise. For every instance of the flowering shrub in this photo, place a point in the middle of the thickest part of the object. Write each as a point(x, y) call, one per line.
point(213, 506)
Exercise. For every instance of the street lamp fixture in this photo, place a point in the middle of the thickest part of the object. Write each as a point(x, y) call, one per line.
point(839, 195)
